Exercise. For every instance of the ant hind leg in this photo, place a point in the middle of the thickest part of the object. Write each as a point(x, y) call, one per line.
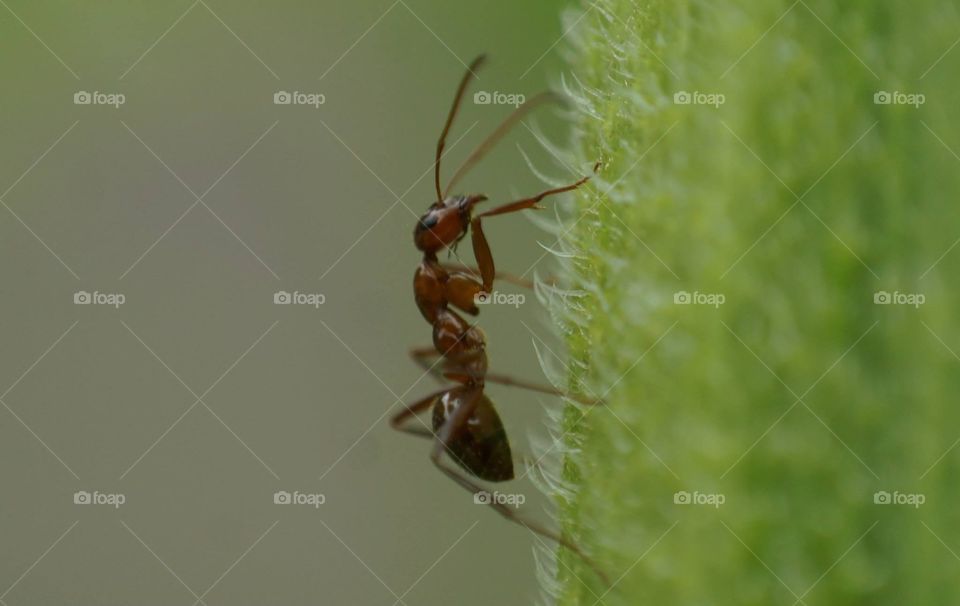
point(451, 427)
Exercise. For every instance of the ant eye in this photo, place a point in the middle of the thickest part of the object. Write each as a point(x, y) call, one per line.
point(428, 222)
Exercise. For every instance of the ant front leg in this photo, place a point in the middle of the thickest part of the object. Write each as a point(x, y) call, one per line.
point(481, 248)
point(454, 424)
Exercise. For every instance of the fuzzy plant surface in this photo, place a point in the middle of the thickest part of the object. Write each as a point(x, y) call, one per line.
point(764, 287)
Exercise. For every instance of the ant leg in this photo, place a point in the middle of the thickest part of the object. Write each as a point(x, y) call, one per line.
point(546, 389)
point(455, 423)
point(481, 248)
point(532, 201)
point(447, 370)
point(498, 134)
point(421, 355)
point(411, 410)
point(457, 99)
point(549, 390)
point(500, 275)
point(465, 290)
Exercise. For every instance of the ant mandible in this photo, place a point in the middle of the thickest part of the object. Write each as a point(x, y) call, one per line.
point(465, 424)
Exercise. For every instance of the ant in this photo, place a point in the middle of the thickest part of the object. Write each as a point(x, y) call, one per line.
point(465, 424)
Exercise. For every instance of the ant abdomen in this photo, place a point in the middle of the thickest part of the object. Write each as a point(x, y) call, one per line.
point(480, 446)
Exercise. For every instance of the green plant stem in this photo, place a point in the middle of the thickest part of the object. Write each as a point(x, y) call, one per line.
point(797, 398)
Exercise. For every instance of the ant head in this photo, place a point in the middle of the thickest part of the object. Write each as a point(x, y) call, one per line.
point(445, 223)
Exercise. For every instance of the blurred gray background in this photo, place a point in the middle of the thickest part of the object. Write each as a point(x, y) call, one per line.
point(199, 398)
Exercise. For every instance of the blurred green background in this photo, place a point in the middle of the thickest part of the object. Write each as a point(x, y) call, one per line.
point(303, 199)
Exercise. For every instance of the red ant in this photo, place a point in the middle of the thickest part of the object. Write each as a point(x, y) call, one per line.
point(466, 425)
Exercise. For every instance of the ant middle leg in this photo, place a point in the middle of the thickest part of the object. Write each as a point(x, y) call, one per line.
point(423, 355)
point(465, 290)
point(509, 381)
point(500, 275)
point(441, 370)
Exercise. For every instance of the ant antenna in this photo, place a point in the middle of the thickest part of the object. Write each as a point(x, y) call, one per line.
point(471, 71)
